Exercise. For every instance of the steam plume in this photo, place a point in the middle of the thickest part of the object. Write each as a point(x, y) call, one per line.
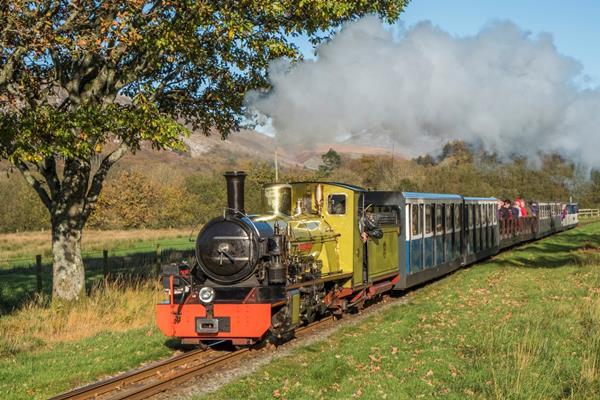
point(503, 88)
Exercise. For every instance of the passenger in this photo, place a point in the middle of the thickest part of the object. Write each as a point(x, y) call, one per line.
point(563, 212)
point(534, 208)
point(505, 213)
point(516, 211)
point(523, 209)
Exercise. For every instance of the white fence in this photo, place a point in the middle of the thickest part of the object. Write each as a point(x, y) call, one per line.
point(589, 212)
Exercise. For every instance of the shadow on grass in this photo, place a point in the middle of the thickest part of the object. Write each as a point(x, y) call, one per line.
point(18, 285)
point(552, 252)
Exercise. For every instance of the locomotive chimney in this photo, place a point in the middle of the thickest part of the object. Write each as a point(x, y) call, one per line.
point(235, 191)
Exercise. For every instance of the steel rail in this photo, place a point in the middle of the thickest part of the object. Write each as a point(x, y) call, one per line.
point(129, 386)
point(107, 385)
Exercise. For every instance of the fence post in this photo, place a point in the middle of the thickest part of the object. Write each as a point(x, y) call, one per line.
point(158, 260)
point(38, 273)
point(105, 270)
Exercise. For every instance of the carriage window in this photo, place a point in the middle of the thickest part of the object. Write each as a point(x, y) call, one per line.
point(416, 221)
point(439, 218)
point(478, 210)
point(495, 214)
point(470, 214)
point(336, 204)
point(467, 216)
point(457, 216)
point(449, 210)
point(428, 218)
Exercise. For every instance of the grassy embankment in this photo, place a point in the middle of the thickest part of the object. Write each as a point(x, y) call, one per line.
point(43, 349)
point(525, 324)
point(522, 325)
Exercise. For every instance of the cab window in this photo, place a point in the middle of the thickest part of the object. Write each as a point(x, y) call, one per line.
point(336, 204)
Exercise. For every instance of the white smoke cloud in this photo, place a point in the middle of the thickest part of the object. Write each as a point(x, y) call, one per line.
point(504, 88)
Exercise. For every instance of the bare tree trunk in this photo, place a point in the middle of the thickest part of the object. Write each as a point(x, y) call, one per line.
point(69, 274)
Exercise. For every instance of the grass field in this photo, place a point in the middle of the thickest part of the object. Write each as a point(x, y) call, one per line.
point(20, 249)
point(129, 252)
point(523, 325)
point(46, 350)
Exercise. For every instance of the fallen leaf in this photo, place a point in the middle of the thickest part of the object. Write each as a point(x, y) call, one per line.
point(374, 359)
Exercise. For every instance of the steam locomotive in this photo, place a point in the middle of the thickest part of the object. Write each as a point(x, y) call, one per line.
point(322, 248)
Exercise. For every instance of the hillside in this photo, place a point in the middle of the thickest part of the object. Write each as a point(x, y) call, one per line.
point(252, 144)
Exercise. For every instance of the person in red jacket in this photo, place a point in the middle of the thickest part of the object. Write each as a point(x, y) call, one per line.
point(521, 204)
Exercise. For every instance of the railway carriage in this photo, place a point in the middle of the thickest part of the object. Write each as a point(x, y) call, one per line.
point(481, 233)
point(319, 248)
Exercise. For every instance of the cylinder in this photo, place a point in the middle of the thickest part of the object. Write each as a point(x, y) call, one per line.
point(235, 191)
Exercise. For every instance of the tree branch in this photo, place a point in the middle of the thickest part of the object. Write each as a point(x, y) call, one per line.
point(36, 184)
point(99, 177)
point(48, 170)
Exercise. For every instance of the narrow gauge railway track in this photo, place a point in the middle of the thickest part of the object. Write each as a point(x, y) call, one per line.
point(164, 375)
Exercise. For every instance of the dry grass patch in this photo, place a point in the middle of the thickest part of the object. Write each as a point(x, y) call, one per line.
point(114, 307)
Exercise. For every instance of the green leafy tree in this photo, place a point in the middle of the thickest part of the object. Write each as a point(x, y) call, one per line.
point(331, 162)
point(82, 82)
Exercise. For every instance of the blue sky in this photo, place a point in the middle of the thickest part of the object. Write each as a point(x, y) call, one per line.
point(575, 25)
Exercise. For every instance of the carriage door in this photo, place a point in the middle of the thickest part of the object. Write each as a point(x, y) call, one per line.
point(449, 232)
point(416, 238)
point(484, 226)
point(458, 236)
point(439, 234)
point(472, 229)
point(428, 237)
